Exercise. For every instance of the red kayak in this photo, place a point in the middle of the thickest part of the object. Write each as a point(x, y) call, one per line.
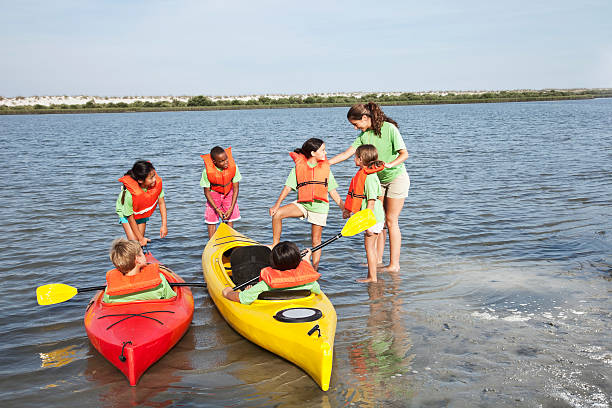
point(134, 335)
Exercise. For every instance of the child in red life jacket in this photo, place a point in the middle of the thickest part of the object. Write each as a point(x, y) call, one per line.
point(141, 191)
point(220, 182)
point(313, 180)
point(133, 279)
point(365, 192)
point(288, 271)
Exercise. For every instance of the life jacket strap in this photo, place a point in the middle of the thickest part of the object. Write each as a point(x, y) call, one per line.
point(305, 183)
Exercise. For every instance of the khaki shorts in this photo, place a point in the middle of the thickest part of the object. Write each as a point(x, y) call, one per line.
point(312, 217)
point(398, 187)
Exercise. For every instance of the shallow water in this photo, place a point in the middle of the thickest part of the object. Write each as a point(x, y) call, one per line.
point(503, 298)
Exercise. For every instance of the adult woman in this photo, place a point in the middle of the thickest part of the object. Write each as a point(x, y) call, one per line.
point(381, 131)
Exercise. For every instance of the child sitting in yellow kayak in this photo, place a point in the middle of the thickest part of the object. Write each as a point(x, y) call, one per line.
point(134, 279)
point(288, 271)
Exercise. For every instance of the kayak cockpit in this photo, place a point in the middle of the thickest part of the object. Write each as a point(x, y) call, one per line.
point(243, 263)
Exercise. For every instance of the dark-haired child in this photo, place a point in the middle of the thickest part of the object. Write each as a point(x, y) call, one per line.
point(288, 271)
point(364, 192)
point(220, 179)
point(141, 191)
point(314, 182)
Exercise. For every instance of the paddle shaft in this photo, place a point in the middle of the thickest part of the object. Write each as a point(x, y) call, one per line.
point(302, 253)
point(195, 285)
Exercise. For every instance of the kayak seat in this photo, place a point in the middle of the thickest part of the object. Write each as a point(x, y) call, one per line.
point(284, 294)
point(247, 262)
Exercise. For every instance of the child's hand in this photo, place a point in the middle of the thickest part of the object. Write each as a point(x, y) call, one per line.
point(307, 253)
point(388, 166)
point(346, 213)
point(144, 241)
point(273, 210)
point(163, 231)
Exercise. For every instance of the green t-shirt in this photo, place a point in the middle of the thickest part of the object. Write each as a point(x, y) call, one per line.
point(126, 209)
point(248, 296)
point(163, 291)
point(317, 206)
point(372, 191)
point(388, 144)
point(204, 182)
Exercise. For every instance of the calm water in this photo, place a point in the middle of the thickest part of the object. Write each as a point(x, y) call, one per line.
point(503, 298)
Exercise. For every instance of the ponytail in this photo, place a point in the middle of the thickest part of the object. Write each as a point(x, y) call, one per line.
point(373, 111)
point(369, 156)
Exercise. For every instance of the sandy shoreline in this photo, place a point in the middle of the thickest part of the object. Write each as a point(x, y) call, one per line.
point(82, 99)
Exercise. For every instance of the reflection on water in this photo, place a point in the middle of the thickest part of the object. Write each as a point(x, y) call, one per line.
point(381, 360)
point(59, 357)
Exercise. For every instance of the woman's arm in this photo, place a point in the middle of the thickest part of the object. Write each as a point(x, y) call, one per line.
point(163, 231)
point(343, 156)
point(283, 194)
point(403, 155)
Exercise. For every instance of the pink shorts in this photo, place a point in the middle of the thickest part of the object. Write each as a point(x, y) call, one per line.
point(223, 203)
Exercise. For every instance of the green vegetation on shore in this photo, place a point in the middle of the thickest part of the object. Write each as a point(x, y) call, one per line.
point(205, 103)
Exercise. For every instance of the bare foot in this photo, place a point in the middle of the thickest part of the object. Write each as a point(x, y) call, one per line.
point(387, 268)
point(366, 280)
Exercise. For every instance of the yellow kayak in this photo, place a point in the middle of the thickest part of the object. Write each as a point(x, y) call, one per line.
point(295, 324)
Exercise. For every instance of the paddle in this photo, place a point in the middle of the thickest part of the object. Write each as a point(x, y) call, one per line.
point(58, 292)
point(359, 222)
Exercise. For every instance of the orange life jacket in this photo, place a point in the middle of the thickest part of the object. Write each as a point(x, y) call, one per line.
point(119, 284)
point(278, 279)
point(356, 193)
point(220, 181)
point(143, 202)
point(311, 181)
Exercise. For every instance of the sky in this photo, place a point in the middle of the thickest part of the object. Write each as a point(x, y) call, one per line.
point(232, 48)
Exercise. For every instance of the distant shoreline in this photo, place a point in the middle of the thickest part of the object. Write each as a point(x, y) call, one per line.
point(87, 104)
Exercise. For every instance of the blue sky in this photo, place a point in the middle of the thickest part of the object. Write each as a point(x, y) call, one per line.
point(122, 47)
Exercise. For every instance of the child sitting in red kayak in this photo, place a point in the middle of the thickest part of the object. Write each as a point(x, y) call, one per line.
point(134, 279)
point(288, 271)
point(220, 182)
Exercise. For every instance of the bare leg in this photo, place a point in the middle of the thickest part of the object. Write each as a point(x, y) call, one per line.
point(317, 231)
point(370, 247)
point(230, 224)
point(380, 246)
point(211, 229)
point(393, 207)
point(286, 211)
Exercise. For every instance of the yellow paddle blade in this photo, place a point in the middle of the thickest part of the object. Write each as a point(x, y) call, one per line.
point(359, 222)
point(54, 293)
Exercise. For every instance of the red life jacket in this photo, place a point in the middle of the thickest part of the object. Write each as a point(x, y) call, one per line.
point(356, 193)
point(278, 279)
point(119, 284)
point(143, 202)
point(311, 181)
point(220, 181)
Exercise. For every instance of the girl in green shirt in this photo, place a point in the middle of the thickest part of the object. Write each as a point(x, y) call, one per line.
point(382, 132)
point(314, 211)
point(366, 157)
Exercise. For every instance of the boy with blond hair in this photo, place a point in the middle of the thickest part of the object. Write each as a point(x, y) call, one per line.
point(133, 279)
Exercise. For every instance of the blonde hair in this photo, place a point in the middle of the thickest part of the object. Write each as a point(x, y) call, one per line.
point(123, 254)
point(368, 155)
